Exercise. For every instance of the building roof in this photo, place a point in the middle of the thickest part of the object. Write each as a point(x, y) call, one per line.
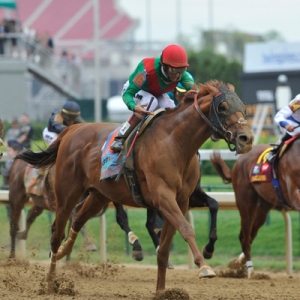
point(70, 22)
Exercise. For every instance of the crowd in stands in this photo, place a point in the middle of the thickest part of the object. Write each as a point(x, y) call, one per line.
point(17, 137)
point(38, 47)
point(10, 31)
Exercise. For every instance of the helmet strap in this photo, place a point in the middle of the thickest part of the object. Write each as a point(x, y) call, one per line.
point(165, 76)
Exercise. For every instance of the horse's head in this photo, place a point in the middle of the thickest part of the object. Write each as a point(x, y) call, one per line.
point(226, 115)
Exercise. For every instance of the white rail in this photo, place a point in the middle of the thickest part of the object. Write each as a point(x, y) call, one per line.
point(226, 200)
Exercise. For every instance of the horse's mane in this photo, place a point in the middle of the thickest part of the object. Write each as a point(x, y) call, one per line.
point(205, 89)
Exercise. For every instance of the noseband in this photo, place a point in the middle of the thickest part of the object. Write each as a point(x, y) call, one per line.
point(217, 121)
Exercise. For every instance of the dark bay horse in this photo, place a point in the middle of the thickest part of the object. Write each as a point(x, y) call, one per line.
point(254, 200)
point(165, 162)
point(18, 197)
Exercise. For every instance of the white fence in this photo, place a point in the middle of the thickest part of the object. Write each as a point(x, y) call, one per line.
point(225, 200)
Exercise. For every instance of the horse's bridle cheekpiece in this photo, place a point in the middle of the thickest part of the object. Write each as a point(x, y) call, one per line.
point(217, 118)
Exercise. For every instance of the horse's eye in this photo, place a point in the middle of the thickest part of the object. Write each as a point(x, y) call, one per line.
point(221, 108)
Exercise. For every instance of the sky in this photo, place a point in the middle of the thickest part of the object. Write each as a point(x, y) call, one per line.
point(162, 20)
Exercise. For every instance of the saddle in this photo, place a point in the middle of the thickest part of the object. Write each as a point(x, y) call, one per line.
point(126, 156)
point(117, 164)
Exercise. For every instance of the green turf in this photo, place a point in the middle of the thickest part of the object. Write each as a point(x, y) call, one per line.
point(268, 247)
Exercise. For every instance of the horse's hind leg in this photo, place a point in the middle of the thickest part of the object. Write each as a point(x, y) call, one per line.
point(200, 199)
point(33, 213)
point(122, 220)
point(84, 211)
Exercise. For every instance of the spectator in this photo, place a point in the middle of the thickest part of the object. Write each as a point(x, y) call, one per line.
point(12, 26)
point(3, 31)
point(13, 132)
point(13, 148)
point(75, 64)
point(64, 65)
point(30, 36)
point(26, 131)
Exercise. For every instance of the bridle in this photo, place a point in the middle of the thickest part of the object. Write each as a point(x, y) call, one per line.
point(217, 121)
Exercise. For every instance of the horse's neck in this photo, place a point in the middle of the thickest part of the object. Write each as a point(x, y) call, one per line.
point(191, 130)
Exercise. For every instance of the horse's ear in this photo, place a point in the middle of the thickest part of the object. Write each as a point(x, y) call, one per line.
point(230, 87)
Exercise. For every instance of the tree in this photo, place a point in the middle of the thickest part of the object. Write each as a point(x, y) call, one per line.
point(206, 65)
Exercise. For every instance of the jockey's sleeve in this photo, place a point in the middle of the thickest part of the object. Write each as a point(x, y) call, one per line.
point(58, 127)
point(187, 80)
point(282, 115)
point(133, 87)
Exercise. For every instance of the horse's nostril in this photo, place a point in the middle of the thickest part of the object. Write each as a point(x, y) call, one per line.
point(243, 138)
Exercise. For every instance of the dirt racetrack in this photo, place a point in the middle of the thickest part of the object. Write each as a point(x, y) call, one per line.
point(111, 281)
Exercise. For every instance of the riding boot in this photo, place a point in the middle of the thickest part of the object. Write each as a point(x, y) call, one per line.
point(124, 132)
point(277, 146)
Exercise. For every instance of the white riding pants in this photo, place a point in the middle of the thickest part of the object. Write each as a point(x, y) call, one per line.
point(143, 97)
point(49, 137)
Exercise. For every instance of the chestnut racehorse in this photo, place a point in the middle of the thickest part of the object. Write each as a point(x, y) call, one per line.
point(254, 200)
point(166, 166)
point(18, 197)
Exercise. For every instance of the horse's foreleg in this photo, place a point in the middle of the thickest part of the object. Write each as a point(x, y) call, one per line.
point(122, 220)
point(59, 225)
point(174, 215)
point(16, 207)
point(253, 212)
point(14, 227)
point(166, 237)
point(33, 213)
point(154, 224)
point(260, 218)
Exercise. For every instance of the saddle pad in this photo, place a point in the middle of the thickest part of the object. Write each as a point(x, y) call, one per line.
point(109, 159)
point(261, 171)
point(33, 184)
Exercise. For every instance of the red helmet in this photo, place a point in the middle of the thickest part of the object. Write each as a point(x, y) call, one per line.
point(174, 56)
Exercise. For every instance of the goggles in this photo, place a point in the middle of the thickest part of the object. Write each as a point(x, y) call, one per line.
point(172, 70)
point(69, 117)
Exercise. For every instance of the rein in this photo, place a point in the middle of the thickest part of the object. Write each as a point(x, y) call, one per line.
point(222, 131)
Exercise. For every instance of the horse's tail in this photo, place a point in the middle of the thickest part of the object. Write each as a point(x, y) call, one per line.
point(221, 167)
point(43, 159)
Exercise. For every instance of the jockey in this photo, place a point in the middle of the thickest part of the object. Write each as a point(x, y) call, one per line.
point(153, 77)
point(288, 118)
point(60, 120)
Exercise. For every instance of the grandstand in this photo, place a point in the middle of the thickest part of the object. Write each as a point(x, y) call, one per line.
point(45, 80)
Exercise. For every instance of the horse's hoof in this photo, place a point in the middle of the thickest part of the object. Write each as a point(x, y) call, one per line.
point(90, 248)
point(137, 255)
point(206, 254)
point(206, 272)
point(170, 265)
